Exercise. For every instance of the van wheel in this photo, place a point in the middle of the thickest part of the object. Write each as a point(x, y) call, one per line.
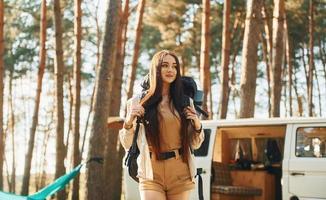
point(294, 198)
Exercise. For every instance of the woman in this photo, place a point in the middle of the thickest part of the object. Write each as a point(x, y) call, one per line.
point(171, 131)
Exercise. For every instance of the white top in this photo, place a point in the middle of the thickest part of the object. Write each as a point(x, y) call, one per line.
point(145, 169)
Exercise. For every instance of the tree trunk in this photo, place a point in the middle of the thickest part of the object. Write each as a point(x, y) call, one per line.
point(268, 76)
point(235, 53)
point(2, 73)
point(299, 99)
point(98, 36)
point(87, 120)
point(7, 172)
point(268, 32)
point(319, 92)
point(288, 53)
point(12, 129)
point(210, 102)
point(283, 85)
point(225, 59)
point(68, 142)
point(204, 54)
point(322, 53)
point(277, 57)
point(113, 155)
point(311, 57)
point(5, 135)
point(249, 59)
point(77, 80)
point(71, 102)
point(124, 33)
point(195, 36)
point(322, 57)
point(13, 165)
point(59, 71)
point(139, 22)
point(42, 172)
point(95, 173)
point(45, 146)
point(305, 67)
point(235, 92)
point(42, 55)
point(236, 26)
point(267, 45)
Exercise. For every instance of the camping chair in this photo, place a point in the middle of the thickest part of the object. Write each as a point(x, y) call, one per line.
point(51, 189)
point(223, 189)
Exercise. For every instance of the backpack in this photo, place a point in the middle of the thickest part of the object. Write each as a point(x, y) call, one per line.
point(189, 89)
point(133, 153)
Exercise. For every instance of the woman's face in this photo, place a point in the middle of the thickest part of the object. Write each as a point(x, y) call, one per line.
point(168, 69)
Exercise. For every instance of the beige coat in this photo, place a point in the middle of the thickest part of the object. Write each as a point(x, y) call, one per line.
point(145, 170)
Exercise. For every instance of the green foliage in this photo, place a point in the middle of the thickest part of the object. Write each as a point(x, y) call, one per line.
point(151, 39)
point(20, 36)
point(216, 32)
point(297, 13)
point(174, 25)
point(320, 21)
point(177, 26)
point(297, 18)
point(87, 76)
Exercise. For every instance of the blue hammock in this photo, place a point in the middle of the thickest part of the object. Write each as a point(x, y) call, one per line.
point(51, 189)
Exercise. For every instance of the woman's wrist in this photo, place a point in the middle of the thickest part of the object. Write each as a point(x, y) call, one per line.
point(129, 121)
point(196, 123)
point(127, 126)
point(198, 128)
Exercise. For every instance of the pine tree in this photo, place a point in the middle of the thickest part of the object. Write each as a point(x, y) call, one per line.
point(94, 173)
point(2, 71)
point(59, 70)
point(42, 55)
point(249, 59)
point(277, 57)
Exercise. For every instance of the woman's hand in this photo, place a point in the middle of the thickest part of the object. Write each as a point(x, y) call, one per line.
point(191, 114)
point(136, 110)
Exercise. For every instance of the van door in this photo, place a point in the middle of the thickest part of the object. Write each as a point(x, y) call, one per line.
point(307, 161)
point(203, 159)
point(131, 191)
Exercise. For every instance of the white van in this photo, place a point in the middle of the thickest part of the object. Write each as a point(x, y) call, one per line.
point(277, 158)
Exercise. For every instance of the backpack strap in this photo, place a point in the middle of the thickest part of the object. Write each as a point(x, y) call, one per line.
point(134, 140)
point(197, 107)
point(133, 149)
point(200, 183)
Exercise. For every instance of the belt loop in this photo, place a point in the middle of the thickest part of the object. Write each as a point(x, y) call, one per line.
point(177, 154)
point(152, 155)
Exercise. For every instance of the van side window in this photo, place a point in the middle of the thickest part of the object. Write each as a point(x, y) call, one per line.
point(310, 142)
point(203, 150)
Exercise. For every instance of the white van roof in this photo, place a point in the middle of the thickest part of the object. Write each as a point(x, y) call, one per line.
point(260, 121)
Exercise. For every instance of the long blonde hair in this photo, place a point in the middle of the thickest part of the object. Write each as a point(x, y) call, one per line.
point(156, 61)
point(152, 98)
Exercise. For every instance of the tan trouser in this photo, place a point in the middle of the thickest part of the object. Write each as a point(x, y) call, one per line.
point(171, 176)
